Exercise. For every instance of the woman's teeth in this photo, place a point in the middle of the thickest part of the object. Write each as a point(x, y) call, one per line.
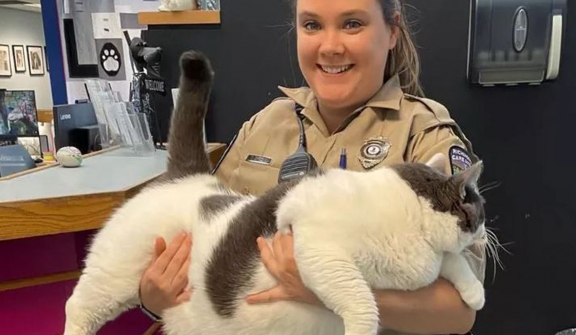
point(335, 69)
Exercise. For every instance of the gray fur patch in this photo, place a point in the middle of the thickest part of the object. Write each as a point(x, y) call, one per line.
point(233, 263)
point(187, 152)
point(212, 205)
point(443, 192)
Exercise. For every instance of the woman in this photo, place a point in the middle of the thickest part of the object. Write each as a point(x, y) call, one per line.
point(362, 70)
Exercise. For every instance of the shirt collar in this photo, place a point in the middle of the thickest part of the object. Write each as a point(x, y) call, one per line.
point(388, 97)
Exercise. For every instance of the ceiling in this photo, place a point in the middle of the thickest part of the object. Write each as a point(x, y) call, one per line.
point(27, 5)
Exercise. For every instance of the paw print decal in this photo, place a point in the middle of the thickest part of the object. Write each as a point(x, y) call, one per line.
point(110, 59)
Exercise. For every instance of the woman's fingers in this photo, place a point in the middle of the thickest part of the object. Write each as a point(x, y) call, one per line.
point(277, 247)
point(180, 280)
point(268, 257)
point(288, 248)
point(184, 296)
point(275, 294)
point(159, 247)
point(166, 257)
point(179, 258)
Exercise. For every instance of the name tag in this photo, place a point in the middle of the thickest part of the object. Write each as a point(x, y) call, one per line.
point(258, 160)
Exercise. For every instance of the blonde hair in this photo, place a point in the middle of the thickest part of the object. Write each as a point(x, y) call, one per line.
point(403, 60)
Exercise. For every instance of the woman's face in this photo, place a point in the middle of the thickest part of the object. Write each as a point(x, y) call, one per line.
point(342, 49)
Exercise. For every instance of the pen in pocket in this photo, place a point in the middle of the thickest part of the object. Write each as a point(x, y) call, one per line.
point(343, 158)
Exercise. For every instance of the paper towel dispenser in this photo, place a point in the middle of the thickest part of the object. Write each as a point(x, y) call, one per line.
point(515, 41)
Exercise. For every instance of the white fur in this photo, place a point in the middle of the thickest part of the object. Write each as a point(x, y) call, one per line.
point(176, 5)
point(352, 232)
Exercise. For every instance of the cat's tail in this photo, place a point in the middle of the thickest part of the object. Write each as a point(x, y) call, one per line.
point(186, 149)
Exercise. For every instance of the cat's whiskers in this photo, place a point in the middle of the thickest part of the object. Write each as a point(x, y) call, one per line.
point(492, 246)
point(489, 186)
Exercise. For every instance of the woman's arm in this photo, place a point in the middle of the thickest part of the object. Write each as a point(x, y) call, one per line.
point(435, 309)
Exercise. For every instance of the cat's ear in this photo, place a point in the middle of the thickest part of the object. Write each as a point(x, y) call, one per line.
point(468, 177)
point(438, 162)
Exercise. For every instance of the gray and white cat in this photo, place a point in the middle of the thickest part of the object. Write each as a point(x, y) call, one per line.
point(397, 227)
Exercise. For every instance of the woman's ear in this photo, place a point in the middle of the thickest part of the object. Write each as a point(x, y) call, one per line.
point(395, 30)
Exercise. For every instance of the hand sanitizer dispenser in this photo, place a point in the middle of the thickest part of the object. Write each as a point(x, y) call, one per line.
point(515, 41)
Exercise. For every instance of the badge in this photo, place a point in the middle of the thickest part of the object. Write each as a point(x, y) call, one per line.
point(374, 151)
point(459, 159)
point(258, 159)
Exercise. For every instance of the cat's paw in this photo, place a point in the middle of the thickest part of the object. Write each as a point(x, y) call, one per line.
point(473, 295)
point(196, 66)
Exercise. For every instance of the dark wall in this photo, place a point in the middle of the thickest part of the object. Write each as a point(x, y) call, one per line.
point(251, 54)
point(524, 135)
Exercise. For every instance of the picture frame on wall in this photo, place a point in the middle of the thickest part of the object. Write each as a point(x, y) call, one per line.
point(19, 58)
point(46, 59)
point(36, 60)
point(5, 66)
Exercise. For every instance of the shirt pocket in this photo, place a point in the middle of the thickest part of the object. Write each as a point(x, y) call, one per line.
point(255, 178)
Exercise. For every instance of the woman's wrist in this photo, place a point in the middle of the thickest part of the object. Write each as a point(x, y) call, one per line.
point(151, 315)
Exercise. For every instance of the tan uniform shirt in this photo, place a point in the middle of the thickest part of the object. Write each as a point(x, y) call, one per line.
point(392, 128)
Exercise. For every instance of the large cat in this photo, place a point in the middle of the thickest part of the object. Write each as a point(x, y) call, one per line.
point(396, 227)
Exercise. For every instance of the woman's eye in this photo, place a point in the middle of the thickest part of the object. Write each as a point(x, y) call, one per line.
point(352, 24)
point(310, 25)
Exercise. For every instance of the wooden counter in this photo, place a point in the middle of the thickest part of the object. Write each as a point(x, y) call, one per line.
point(182, 17)
point(58, 200)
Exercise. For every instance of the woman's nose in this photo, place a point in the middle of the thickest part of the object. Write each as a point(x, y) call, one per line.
point(332, 44)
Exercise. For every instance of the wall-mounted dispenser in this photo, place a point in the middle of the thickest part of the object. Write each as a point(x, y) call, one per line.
point(515, 41)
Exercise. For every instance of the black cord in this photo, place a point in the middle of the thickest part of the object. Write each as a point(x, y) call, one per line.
point(224, 155)
point(302, 140)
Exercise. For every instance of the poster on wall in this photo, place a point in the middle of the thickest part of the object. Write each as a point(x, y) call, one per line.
point(36, 60)
point(5, 68)
point(111, 59)
point(19, 58)
point(106, 25)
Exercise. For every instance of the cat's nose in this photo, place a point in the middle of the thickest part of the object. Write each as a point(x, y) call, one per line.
point(481, 232)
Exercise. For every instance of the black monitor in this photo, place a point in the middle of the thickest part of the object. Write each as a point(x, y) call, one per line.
point(18, 114)
point(70, 117)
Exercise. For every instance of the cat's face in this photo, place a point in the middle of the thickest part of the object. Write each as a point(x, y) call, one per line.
point(457, 195)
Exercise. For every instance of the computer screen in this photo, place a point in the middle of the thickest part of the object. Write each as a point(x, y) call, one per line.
point(69, 117)
point(18, 113)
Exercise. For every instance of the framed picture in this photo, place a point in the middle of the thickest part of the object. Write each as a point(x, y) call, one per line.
point(19, 58)
point(46, 58)
point(36, 60)
point(5, 66)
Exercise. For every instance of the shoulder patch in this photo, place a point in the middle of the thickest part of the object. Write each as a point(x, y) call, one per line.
point(459, 159)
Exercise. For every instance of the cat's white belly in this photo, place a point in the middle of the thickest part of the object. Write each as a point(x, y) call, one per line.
point(197, 317)
point(405, 271)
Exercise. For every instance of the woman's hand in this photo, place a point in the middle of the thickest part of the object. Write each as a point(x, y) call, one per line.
point(279, 261)
point(164, 283)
